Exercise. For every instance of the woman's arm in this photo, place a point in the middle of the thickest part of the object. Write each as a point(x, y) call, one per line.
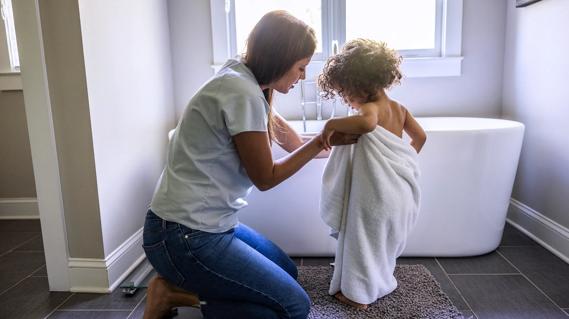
point(289, 139)
point(285, 135)
point(255, 153)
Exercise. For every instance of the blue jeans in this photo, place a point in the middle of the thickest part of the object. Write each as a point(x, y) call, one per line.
point(238, 273)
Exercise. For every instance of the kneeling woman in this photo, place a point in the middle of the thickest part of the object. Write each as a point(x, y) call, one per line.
point(220, 149)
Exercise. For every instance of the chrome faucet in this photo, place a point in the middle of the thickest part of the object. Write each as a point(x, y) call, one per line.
point(318, 102)
point(333, 113)
point(303, 105)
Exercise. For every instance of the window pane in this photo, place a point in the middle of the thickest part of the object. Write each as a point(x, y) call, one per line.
point(248, 13)
point(8, 18)
point(403, 24)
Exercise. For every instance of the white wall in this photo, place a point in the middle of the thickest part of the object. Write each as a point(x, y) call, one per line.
point(536, 93)
point(105, 103)
point(129, 83)
point(191, 47)
point(16, 173)
point(478, 92)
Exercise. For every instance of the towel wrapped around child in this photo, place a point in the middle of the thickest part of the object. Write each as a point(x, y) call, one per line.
point(370, 199)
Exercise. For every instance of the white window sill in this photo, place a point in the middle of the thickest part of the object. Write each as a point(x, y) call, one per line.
point(411, 67)
point(10, 81)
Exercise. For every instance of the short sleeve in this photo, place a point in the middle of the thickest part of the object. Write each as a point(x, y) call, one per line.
point(245, 113)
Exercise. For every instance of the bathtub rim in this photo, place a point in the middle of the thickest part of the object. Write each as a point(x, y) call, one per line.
point(507, 124)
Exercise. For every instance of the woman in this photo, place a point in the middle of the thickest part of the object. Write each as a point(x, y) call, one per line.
point(220, 149)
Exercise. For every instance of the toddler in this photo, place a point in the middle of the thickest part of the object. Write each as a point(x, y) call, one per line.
point(370, 195)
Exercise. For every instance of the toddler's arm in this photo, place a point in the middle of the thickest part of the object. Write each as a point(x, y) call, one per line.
point(415, 131)
point(361, 123)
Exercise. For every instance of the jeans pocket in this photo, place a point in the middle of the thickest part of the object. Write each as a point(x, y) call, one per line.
point(160, 259)
point(202, 245)
point(152, 223)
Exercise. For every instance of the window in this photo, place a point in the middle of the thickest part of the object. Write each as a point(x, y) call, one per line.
point(427, 33)
point(410, 26)
point(10, 31)
point(247, 12)
point(9, 60)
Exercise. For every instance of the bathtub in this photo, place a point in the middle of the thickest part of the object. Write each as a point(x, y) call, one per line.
point(468, 166)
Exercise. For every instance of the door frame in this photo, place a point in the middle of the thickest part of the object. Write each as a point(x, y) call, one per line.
point(42, 142)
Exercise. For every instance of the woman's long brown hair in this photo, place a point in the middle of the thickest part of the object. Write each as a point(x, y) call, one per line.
point(274, 45)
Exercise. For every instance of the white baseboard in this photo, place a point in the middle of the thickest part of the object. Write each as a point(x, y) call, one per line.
point(19, 208)
point(548, 233)
point(104, 275)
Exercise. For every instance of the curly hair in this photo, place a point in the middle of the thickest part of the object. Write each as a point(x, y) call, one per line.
point(360, 70)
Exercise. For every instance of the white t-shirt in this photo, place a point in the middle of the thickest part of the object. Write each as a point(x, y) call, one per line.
point(204, 184)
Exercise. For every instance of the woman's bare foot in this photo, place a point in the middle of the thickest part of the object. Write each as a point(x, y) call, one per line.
point(349, 302)
point(162, 296)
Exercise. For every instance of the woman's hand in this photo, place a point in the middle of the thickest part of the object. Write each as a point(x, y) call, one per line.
point(338, 138)
point(342, 131)
point(326, 135)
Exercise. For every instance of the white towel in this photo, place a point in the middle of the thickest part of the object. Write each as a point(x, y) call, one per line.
point(370, 199)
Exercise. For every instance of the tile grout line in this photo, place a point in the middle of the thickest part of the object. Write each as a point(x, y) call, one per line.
point(61, 304)
point(40, 267)
point(531, 282)
point(94, 310)
point(490, 274)
point(14, 285)
point(518, 245)
point(138, 304)
point(20, 245)
point(42, 275)
point(19, 282)
point(455, 287)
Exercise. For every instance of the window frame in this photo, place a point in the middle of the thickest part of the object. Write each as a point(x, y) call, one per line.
point(9, 72)
point(445, 60)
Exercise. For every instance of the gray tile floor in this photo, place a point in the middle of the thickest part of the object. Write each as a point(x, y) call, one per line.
point(519, 280)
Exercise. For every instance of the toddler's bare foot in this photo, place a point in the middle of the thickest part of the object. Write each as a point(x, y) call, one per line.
point(162, 296)
point(349, 302)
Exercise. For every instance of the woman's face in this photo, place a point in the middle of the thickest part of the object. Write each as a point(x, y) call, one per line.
point(291, 77)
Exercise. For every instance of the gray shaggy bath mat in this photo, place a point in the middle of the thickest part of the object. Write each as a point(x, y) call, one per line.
point(417, 296)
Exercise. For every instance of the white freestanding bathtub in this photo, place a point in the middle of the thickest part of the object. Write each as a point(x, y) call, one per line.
point(468, 166)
